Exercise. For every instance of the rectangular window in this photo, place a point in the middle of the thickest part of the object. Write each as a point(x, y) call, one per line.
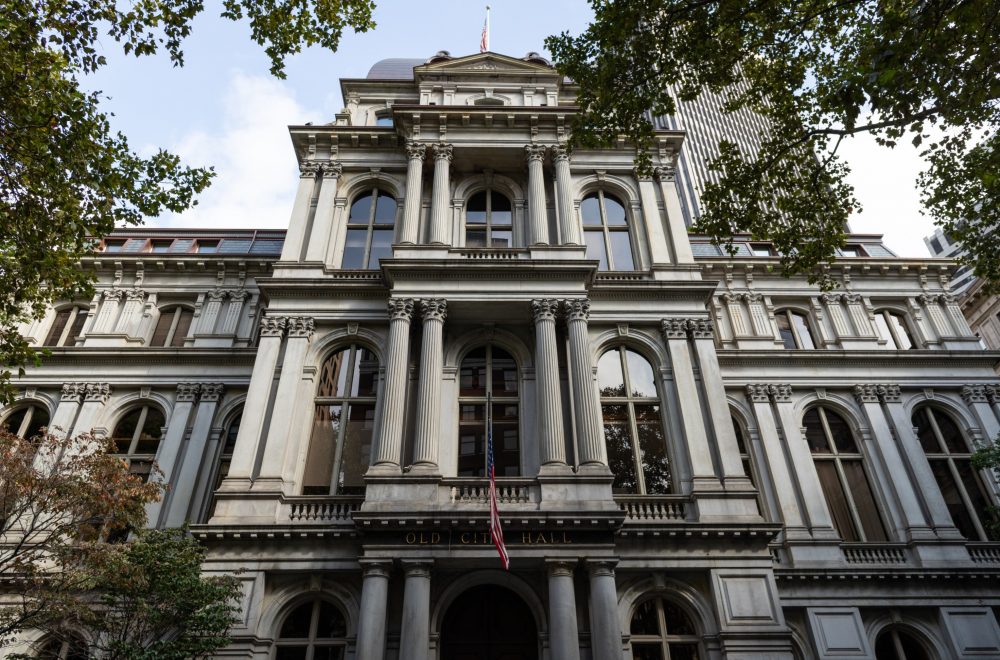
point(114, 245)
point(207, 246)
point(761, 250)
point(160, 246)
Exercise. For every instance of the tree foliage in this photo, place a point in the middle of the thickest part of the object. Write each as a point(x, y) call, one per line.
point(65, 174)
point(818, 71)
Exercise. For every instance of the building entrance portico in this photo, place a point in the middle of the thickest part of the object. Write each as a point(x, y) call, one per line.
point(489, 622)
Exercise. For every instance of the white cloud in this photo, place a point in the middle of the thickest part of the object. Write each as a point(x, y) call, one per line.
point(256, 175)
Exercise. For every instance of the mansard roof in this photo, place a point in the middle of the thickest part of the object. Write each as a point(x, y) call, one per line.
point(402, 68)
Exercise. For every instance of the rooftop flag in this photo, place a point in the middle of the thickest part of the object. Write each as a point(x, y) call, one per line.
point(484, 41)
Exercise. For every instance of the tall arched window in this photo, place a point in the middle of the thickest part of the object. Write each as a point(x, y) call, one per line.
point(63, 647)
point(606, 231)
point(66, 326)
point(172, 327)
point(749, 466)
point(633, 424)
point(949, 455)
point(489, 220)
point(370, 226)
point(489, 373)
point(794, 329)
point(661, 630)
point(895, 644)
point(341, 443)
point(137, 437)
point(843, 477)
point(27, 421)
point(315, 630)
point(228, 442)
point(892, 327)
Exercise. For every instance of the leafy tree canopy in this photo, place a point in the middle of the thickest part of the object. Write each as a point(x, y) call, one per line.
point(819, 71)
point(65, 174)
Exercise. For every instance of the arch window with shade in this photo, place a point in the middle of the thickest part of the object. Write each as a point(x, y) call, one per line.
point(315, 630)
point(370, 227)
point(137, 438)
point(66, 326)
point(489, 374)
point(26, 422)
point(843, 477)
point(660, 630)
point(606, 231)
point(893, 329)
point(633, 423)
point(489, 220)
point(896, 644)
point(172, 327)
point(343, 425)
point(950, 459)
point(794, 330)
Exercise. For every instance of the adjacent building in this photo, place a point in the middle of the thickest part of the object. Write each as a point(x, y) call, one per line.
point(697, 458)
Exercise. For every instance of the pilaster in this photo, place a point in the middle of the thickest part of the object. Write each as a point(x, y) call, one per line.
point(322, 231)
point(197, 455)
point(291, 250)
point(675, 217)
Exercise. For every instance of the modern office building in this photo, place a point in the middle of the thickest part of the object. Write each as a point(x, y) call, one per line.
point(697, 458)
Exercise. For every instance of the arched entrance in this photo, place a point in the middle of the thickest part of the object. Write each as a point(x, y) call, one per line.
point(489, 622)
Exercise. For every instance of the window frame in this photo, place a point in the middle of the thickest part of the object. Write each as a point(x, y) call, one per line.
point(893, 338)
point(31, 408)
point(749, 460)
point(895, 631)
point(131, 456)
point(489, 191)
point(311, 642)
point(170, 337)
point(222, 456)
point(370, 226)
point(665, 637)
point(487, 399)
point(76, 312)
point(788, 313)
point(606, 230)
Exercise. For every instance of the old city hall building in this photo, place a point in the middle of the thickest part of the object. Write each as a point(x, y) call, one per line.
point(697, 458)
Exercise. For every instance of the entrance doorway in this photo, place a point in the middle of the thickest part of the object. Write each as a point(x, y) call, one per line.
point(489, 622)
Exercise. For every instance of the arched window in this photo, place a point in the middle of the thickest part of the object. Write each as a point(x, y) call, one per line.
point(605, 229)
point(489, 220)
point(315, 630)
point(633, 424)
point(892, 327)
point(137, 437)
point(369, 230)
point(341, 443)
point(228, 442)
point(63, 647)
point(66, 326)
point(489, 373)
point(749, 466)
point(949, 455)
point(172, 327)
point(895, 644)
point(661, 630)
point(794, 329)
point(26, 422)
point(842, 475)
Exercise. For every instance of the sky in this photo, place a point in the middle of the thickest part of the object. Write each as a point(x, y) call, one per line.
point(223, 108)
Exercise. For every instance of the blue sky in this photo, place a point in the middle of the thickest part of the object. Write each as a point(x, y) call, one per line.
point(223, 108)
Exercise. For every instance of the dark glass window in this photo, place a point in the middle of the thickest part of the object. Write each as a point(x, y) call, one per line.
point(315, 630)
point(225, 459)
point(489, 374)
point(794, 329)
point(892, 327)
point(896, 644)
point(370, 228)
point(606, 231)
point(172, 327)
point(26, 422)
point(137, 437)
point(66, 326)
point(661, 630)
point(489, 220)
point(63, 647)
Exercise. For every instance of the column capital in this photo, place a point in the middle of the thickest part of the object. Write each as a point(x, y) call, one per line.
point(601, 567)
point(664, 174)
point(535, 152)
point(97, 392)
point(434, 309)
point(212, 392)
point(560, 567)
point(113, 294)
point(375, 567)
point(993, 393)
point(544, 309)
point(400, 308)
point(417, 567)
point(187, 392)
point(866, 393)
point(135, 294)
point(974, 394)
point(301, 326)
point(889, 392)
point(700, 328)
point(781, 393)
point(674, 328)
point(415, 150)
point(443, 151)
point(576, 309)
point(641, 175)
point(238, 295)
point(273, 326)
point(758, 393)
point(308, 169)
point(216, 295)
point(331, 169)
point(73, 392)
point(560, 153)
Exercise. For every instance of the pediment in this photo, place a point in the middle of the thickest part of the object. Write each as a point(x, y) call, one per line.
point(480, 63)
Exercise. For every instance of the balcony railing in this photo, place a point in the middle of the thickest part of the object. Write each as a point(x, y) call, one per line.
point(477, 491)
point(653, 508)
point(985, 553)
point(325, 509)
point(880, 554)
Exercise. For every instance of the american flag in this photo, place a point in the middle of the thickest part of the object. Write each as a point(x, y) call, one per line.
point(496, 531)
point(484, 41)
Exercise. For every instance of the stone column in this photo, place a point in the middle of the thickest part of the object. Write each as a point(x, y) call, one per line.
point(210, 312)
point(322, 227)
point(975, 396)
point(108, 312)
point(131, 314)
point(428, 425)
point(675, 333)
point(658, 250)
point(389, 445)
point(414, 638)
point(675, 217)
point(605, 629)
point(537, 216)
point(258, 394)
point(410, 232)
point(231, 320)
point(586, 405)
point(440, 217)
point(169, 454)
point(777, 461)
point(184, 484)
point(94, 398)
point(63, 419)
point(291, 250)
point(371, 624)
point(550, 419)
point(300, 330)
point(564, 635)
point(569, 232)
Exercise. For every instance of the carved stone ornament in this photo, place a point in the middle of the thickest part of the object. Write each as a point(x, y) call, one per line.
point(72, 391)
point(135, 294)
point(544, 309)
point(443, 150)
point(674, 328)
point(560, 153)
point(780, 392)
point(535, 152)
point(238, 295)
point(308, 169)
point(866, 393)
point(700, 328)
point(759, 393)
point(974, 394)
point(216, 295)
point(114, 294)
point(852, 298)
point(98, 392)
point(577, 309)
point(752, 297)
point(415, 150)
point(831, 298)
point(301, 326)
point(889, 393)
point(187, 392)
point(664, 174)
point(992, 393)
point(401, 308)
point(272, 326)
point(212, 391)
point(434, 309)
point(928, 298)
point(641, 176)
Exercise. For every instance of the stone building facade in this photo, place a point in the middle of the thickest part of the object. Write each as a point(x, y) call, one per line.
point(697, 458)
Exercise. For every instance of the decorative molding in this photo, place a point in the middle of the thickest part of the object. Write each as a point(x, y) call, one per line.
point(301, 326)
point(400, 308)
point(758, 393)
point(681, 328)
point(974, 394)
point(212, 392)
point(665, 174)
point(781, 393)
point(72, 392)
point(577, 309)
point(434, 309)
point(442, 151)
point(308, 169)
point(674, 328)
point(560, 153)
point(331, 169)
point(865, 393)
point(273, 326)
point(187, 392)
point(535, 152)
point(97, 392)
point(415, 150)
point(544, 309)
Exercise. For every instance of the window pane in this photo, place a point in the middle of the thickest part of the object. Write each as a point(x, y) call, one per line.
point(802, 331)
point(475, 211)
point(152, 431)
point(973, 486)
point(504, 374)
point(645, 620)
point(58, 325)
point(361, 209)
point(319, 461)
point(653, 450)
point(125, 430)
point(640, 375)
point(365, 374)
point(815, 437)
point(77, 327)
point(647, 651)
point(843, 439)
point(354, 249)
point(506, 450)
point(501, 239)
point(333, 374)
point(183, 327)
point(162, 327)
point(383, 121)
point(500, 212)
point(864, 501)
point(231, 434)
point(677, 621)
point(290, 653)
point(925, 433)
point(953, 499)
point(385, 209)
point(297, 624)
point(596, 249)
point(328, 653)
point(590, 210)
point(356, 454)
point(905, 340)
point(741, 442)
point(610, 378)
point(381, 247)
point(473, 374)
point(785, 330)
point(475, 238)
point(13, 422)
point(688, 651)
point(621, 250)
point(885, 647)
point(472, 446)
point(883, 331)
point(621, 458)
point(614, 211)
point(952, 437)
point(836, 500)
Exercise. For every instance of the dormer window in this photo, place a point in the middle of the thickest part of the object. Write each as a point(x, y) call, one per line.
point(489, 100)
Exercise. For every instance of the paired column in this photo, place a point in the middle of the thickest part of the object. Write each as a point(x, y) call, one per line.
point(564, 636)
point(537, 216)
point(977, 398)
point(374, 592)
point(389, 446)
point(94, 397)
point(279, 437)
point(170, 449)
point(414, 639)
point(291, 250)
point(605, 629)
point(569, 232)
point(586, 405)
point(425, 450)
point(410, 231)
point(777, 460)
point(69, 405)
point(550, 428)
point(439, 230)
point(658, 249)
point(198, 453)
point(675, 217)
point(322, 226)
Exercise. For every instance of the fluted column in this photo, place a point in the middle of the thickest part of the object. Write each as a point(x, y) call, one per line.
point(291, 249)
point(675, 218)
point(300, 330)
point(564, 635)
point(569, 232)
point(374, 597)
point(389, 446)
point(586, 405)
point(414, 638)
point(537, 220)
point(605, 629)
point(198, 453)
point(170, 448)
point(425, 448)
point(272, 328)
point(410, 232)
point(550, 428)
point(440, 205)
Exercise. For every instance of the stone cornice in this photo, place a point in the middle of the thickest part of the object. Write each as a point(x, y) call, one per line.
point(861, 359)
